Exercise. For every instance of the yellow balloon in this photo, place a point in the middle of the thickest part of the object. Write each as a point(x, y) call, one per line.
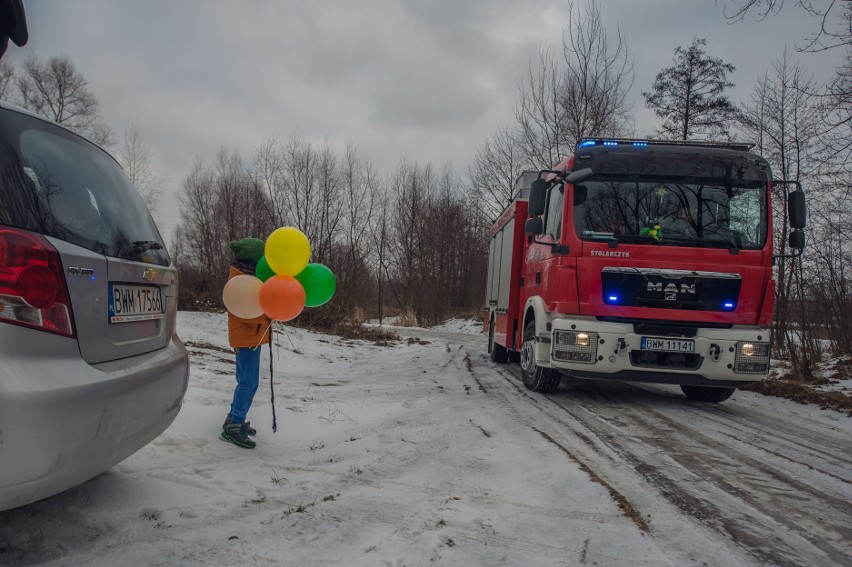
point(287, 250)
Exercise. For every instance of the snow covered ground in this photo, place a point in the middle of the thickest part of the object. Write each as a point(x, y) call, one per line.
point(425, 452)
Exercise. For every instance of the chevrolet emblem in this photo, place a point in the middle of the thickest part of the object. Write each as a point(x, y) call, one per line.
point(149, 274)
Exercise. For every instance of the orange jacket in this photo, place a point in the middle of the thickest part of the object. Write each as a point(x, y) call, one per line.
point(247, 332)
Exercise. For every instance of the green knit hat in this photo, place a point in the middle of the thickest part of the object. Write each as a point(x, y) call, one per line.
point(247, 250)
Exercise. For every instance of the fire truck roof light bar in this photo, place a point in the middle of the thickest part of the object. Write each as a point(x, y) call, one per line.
point(641, 143)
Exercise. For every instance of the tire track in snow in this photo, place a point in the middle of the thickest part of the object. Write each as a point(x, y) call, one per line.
point(811, 442)
point(752, 502)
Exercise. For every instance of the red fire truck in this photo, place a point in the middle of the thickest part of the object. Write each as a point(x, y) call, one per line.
point(642, 261)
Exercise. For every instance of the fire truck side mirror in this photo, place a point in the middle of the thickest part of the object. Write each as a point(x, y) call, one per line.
point(797, 240)
point(797, 209)
point(538, 197)
point(580, 175)
point(534, 226)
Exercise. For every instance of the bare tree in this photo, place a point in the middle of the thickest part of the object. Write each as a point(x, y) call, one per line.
point(328, 212)
point(831, 288)
point(134, 157)
point(299, 183)
point(379, 227)
point(833, 17)
point(346, 247)
point(218, 205)
point(834, 31)
point(584, 93)
point(7, 79)
point(496, 166)
point(410, 186)
point(688, 96)
point(542, 128)
point(201, 246)
point(241, 206)
point(56, 90)
point(598, 75)
point(785, 123)
point(268, 170)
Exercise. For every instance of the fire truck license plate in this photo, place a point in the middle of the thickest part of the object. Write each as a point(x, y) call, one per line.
point(668, 345)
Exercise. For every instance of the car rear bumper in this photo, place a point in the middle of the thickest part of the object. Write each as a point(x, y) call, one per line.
point(56, 433)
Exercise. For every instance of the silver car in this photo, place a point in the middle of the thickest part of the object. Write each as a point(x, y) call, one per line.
point(90, 367)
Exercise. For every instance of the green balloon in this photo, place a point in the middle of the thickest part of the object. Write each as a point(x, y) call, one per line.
point(263, 272)
point(319, 284)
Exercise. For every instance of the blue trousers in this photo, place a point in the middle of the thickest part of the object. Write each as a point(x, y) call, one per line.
point(248, 376)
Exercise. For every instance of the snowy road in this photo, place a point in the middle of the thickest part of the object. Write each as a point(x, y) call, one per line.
point(777, 484)
point(427, 453)
point(778, 487)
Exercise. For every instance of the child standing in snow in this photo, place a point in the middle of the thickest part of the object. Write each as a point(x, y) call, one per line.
point(246, 336)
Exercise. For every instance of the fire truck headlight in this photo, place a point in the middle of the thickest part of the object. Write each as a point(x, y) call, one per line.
point(752, 358)
point(575, 346)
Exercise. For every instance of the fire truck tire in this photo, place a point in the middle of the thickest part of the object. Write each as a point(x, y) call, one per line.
point(536, 378)
point(707, 393)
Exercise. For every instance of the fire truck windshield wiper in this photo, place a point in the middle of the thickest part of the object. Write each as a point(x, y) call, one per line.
point(635, 239)
point(714, 242)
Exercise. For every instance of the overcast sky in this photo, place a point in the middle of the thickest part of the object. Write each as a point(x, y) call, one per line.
point(430, 79)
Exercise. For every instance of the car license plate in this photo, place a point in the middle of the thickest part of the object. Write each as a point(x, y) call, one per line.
point(668, 345)
point(134, 303)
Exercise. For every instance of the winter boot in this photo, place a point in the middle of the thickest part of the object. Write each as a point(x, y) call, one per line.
point(249, 429)
point(237, 434)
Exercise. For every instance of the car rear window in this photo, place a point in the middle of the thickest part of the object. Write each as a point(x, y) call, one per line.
point(58, 184)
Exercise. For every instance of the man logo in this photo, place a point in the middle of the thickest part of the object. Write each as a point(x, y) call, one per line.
point(671, 288)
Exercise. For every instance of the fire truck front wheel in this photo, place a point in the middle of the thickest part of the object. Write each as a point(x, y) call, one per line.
point(707, 393)
point(536, 378)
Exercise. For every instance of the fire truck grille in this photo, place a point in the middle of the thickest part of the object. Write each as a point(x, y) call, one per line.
point(678, 360)
point(670, 289)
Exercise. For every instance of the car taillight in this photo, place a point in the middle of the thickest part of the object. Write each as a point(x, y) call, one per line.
point(32, 289)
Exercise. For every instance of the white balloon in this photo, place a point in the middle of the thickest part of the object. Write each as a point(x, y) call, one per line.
point(241, 296)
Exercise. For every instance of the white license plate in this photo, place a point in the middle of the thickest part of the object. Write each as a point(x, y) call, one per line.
point(668, 345)
point(134, 303)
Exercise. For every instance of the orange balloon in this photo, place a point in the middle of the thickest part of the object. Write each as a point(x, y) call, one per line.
point(282, 297)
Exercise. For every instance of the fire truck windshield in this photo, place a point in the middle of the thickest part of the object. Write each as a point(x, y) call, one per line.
point(670, 212)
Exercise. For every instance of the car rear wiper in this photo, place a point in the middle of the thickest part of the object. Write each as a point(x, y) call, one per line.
point(137, 248)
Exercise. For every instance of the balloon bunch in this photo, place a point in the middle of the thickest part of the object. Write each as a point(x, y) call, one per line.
point(284, 282)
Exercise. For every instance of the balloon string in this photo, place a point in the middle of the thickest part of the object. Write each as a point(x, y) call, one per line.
point(263, 335)
point(288, 337)
point(272, 383)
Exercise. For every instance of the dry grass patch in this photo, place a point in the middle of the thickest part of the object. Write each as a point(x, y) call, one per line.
point(803, 394)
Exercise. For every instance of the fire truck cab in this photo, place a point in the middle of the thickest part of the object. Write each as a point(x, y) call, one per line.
point(643, 261)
